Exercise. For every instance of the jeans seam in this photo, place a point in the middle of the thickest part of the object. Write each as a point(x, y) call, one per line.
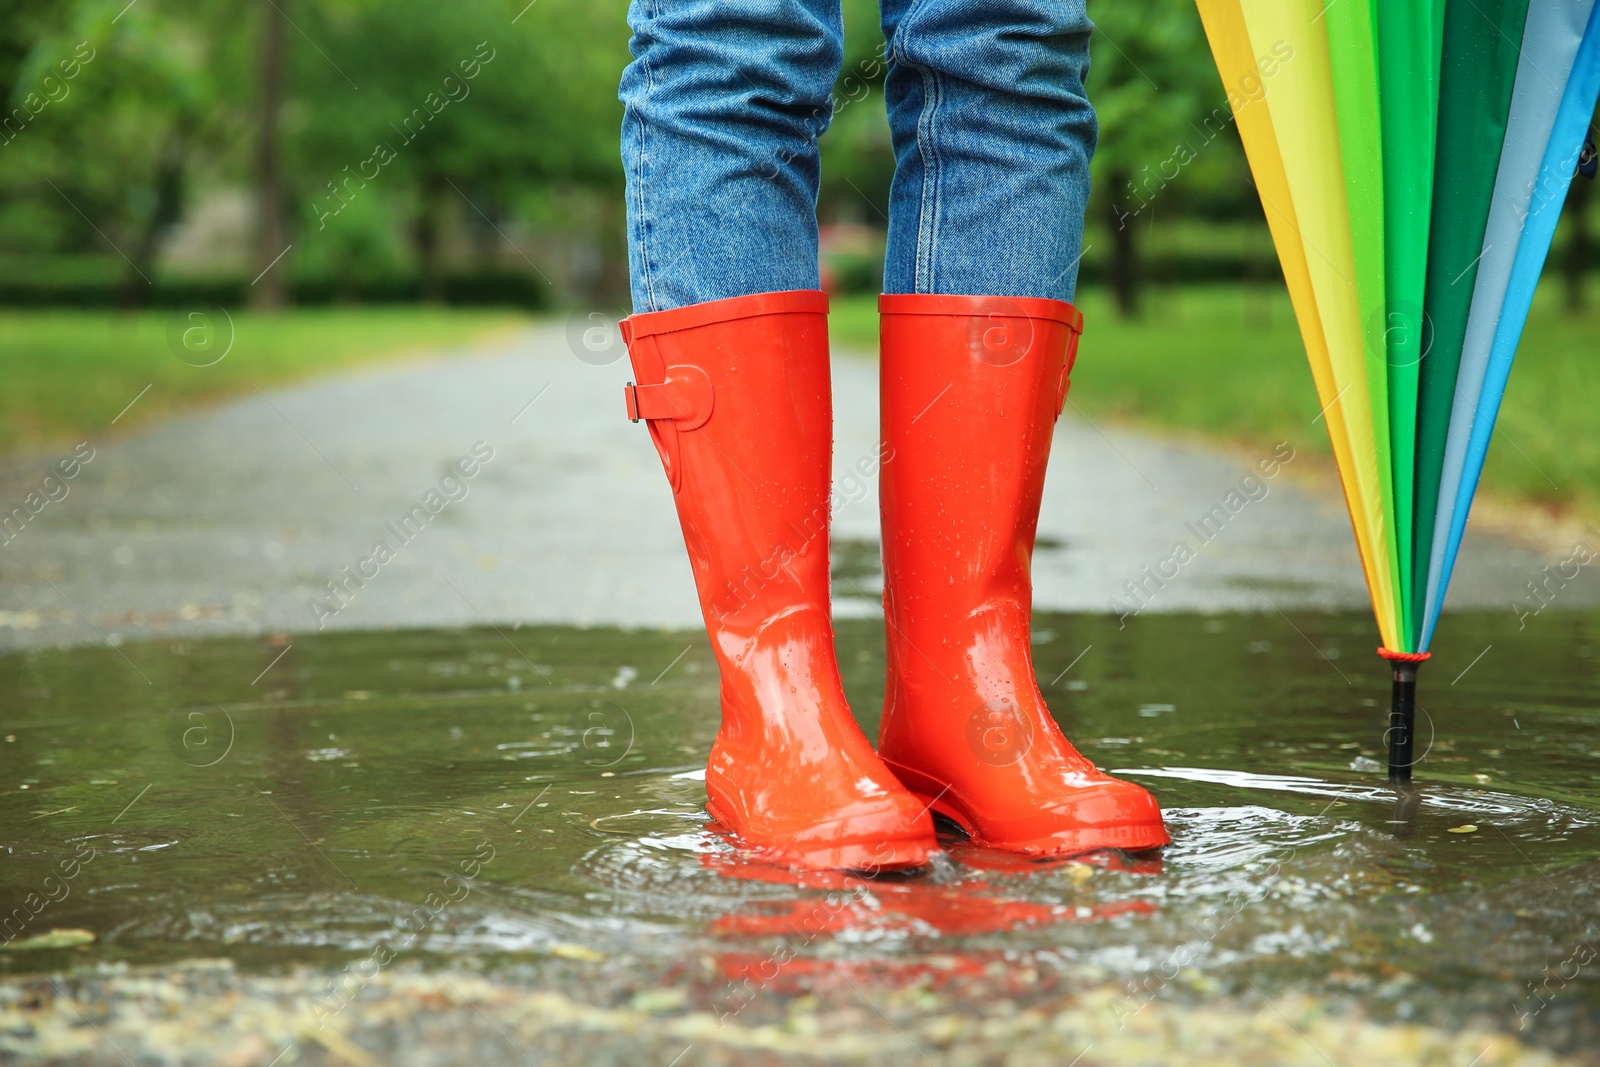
point(928, 208)
point(644, 155)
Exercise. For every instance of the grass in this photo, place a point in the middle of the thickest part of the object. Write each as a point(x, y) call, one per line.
point(68, 374)
point(1224, 362)
point(1227, 362)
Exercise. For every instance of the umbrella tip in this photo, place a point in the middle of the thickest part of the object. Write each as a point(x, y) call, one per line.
point(1402, 712)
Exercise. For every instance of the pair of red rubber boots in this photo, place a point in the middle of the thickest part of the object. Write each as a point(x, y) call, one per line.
point(736, 394)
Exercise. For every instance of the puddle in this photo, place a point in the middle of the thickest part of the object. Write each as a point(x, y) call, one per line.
point(499, 794)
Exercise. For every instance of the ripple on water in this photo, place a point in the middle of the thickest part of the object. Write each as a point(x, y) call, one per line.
point(584, 803)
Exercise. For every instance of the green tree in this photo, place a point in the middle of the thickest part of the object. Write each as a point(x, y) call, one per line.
point(1153, 86)
point(453, 110)
point(148, 102)
point(857, 155)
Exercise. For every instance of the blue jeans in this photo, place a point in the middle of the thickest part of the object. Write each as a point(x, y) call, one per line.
point(992, 135)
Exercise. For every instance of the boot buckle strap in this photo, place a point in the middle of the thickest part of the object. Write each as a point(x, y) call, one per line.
point(685, 398)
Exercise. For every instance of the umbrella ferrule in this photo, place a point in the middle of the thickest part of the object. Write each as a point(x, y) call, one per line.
point(1400, 737)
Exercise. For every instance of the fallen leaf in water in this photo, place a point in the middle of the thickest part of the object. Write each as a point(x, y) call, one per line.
point(656, 1001)
point(54, 939)
point(576, 952)
point(1467, 828)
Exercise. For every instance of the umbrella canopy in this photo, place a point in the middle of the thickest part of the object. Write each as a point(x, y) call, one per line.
point(1412, 160)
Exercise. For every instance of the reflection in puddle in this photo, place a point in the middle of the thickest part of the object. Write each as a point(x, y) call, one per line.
point(396, 790)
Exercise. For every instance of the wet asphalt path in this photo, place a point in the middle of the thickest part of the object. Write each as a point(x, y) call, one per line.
point(235, 519)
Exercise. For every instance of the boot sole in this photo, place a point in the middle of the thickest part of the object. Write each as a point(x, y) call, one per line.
point(1129, 837)
point(869, 855)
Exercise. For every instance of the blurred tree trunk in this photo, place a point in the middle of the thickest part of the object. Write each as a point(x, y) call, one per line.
point(425, 234)
point(166, 209)
point(612, 285)
point(1580, 255)
point(271, 289)
point(483, 228)
point(1124, 252)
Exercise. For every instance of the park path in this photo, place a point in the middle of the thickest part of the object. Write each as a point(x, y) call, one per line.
point(234, 519)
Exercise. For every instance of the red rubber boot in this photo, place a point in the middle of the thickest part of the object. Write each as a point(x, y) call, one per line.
point(736, 394)
point(972, 387)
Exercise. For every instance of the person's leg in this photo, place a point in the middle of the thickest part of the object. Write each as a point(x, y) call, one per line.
point(729, 342)
point(723, 105)
point(993, 136)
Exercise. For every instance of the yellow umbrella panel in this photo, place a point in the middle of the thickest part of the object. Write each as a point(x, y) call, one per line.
point(1291, 137)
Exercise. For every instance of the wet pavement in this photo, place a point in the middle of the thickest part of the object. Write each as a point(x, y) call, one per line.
point(453, 826)
point(237, 519)
point(401, 845)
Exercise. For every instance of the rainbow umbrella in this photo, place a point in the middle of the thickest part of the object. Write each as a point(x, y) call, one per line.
point(1412, 160)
